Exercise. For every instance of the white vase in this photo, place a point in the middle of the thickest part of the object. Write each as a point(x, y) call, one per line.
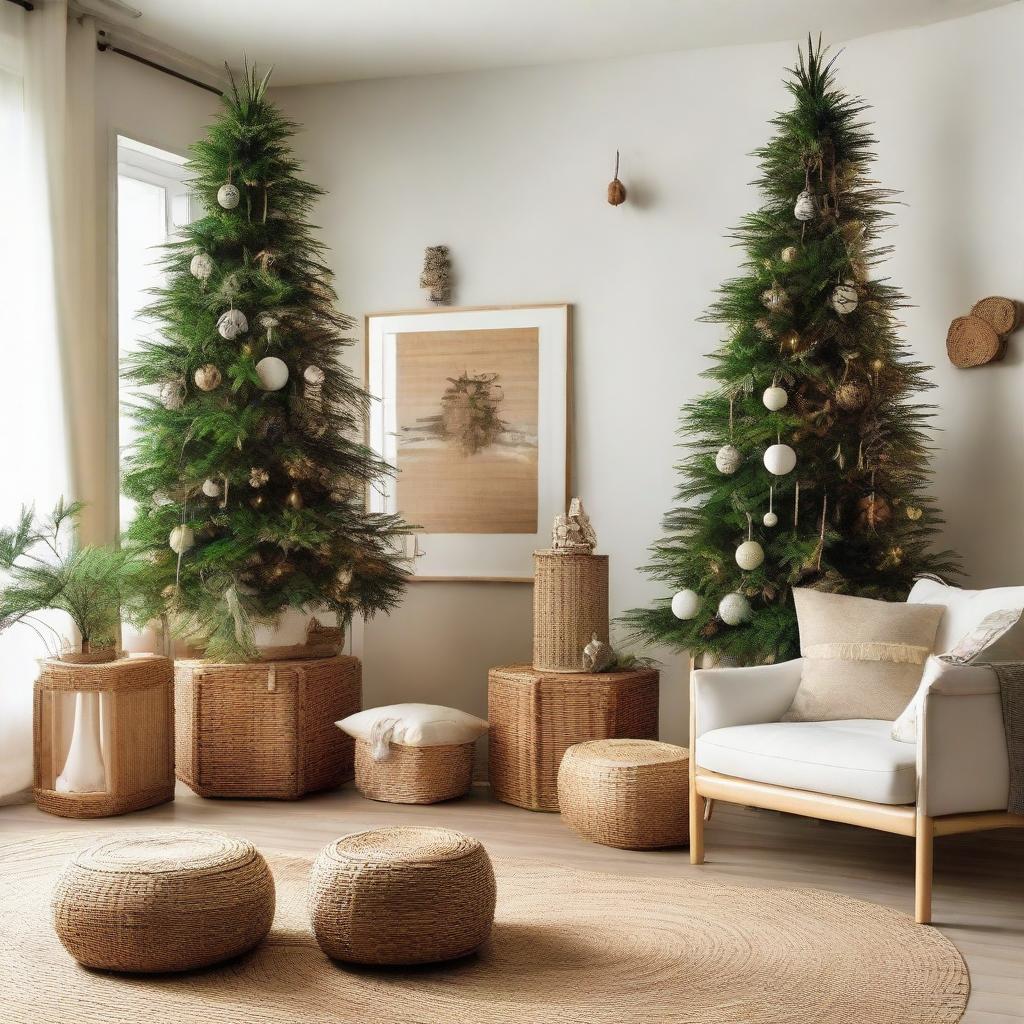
point(84, 771)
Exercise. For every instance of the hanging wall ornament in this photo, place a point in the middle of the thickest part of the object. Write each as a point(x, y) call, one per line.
point(780, 459)
point(734, 609)
point(231, 324)
point(272, 372)
point(686, 604)
point(201, 266)
point(258, 476)
point(789, 254)
point(616, 190)
point(750, 554)
point(181, 539)
point(774, 298)
point(211, 488)
point(770, 518)
point(207, 377)
point(775, 398)
point(228, 196)
point(844, 298)
point(805, 208)
point(172, 394)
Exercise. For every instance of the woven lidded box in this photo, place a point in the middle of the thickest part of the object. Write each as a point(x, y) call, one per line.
point(265, 730)
point(570, 605)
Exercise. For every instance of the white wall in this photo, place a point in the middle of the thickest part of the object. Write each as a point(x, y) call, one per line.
point(509, 169)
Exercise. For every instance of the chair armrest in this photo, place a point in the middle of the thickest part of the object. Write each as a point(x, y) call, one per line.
point(955, 680)
point(742, 696)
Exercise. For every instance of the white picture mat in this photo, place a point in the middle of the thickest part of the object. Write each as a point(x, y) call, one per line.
point(478, 555)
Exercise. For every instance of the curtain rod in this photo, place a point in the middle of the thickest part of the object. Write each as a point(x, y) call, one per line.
point(103, 45)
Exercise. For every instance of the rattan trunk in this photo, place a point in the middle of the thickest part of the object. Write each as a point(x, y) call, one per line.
point(265, 730)
point(570, 605)
point(137, 714)
point(536, 716)
point(415, 775)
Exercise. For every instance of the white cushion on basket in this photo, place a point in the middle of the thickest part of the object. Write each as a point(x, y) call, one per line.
point(415, 725)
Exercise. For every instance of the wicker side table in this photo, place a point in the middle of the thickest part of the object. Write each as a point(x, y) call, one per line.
point(633, 794)
point(265, 730)
point(536, 716)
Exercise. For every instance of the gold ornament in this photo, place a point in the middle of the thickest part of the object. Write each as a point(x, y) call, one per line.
point(258, 476)
point(257, 501)
point(294, 499)
point(789, 340)
point(207, 377)
point(789, 254)
point(914, 513)
point(852, 395)
point(774, 298)
point(873, 511)
point(246, 349)
point(877, 365)
point(763, 328)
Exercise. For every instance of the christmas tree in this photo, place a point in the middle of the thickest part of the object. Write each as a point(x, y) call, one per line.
point(250, 472)
point(807, 463)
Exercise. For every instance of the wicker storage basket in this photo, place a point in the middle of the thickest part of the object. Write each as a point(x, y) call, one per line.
point(265, 730)
point(535, 717)
point(415, 775)
point(137, 714)
point(570, 605)
point(633, 794)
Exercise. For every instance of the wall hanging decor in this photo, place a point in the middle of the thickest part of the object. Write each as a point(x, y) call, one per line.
point(980, 337)
point(473, 412)
point(616, 190)
point(436, 276)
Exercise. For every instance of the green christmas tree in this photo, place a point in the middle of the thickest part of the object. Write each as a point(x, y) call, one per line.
point(807, 464)
point(250, 472)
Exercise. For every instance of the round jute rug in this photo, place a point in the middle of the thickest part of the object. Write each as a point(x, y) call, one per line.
point(568, 947)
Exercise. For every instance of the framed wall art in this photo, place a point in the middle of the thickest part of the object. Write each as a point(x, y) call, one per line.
point(473, 411)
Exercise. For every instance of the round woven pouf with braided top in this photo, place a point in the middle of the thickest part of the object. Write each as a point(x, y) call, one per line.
point(633, 794)
point(402, 896)
point(163, 901)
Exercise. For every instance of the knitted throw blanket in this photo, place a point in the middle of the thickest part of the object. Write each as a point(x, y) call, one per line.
point(1011, 692)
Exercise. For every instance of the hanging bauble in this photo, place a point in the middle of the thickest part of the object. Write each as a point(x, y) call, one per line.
point(775, 398)
point(780, 459)
point(313, 376)
point(231, 324)
point(228, 196)
point(258, 476)
point(686, 604)
point(844, 298)
point(770, 519)
point(231, 286)
point(789, 340)
point(201, 266)
point(873, 511)
point(257, 501)
point(272, 372)
point(763, 328)
point(211, 488)
point(728, 459)
point(914, 513)
point(181, 539)
point(789, 254)
point(294, 499)
point(734, 609)
point(207, 377)
point(852, 395)
point(774, 298)
point(749, 555)
point(172, 394)
point(805, 207)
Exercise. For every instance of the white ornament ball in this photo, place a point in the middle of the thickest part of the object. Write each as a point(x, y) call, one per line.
point(805, 208)
point(211, 488)
point(172, 394)
point(686, 604)
point(201, 266)
point(313, 376)
point(844, 298)
point(789, 254)
point(231, 324)
point(734, 609)
point(749, 555)
point(728, 459)
point(181, 539)
point(775, 398)
point(780, 459)
point(770, 519)
point(228, 196)
point(207, 377)
point(273, 373)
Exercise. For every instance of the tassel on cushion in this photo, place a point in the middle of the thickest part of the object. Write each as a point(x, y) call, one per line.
point(380, 738)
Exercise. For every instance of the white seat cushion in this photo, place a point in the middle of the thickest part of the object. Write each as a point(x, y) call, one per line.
point(857, 758)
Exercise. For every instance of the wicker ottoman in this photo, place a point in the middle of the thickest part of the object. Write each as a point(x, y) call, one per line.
point(402, 896)
point(163, 901)
point(415, 775)
point(633, 794)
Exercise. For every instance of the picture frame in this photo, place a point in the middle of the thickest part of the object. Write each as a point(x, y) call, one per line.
point(472, 407)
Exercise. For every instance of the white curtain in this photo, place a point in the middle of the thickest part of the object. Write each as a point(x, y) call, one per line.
point(50, 307)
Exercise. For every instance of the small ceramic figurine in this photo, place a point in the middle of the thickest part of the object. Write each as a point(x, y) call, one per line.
point(572, 533)
point(597, 655)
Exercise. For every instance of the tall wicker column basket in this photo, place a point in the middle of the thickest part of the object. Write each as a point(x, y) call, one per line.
point(123, 712)
point(570, 605)
point(265, 730)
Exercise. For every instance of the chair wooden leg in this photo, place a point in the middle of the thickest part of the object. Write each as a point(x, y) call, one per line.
point(696, 827)
point(925, 837)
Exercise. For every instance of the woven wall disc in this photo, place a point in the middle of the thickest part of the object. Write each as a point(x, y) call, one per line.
point(1001, 313)
point(971, 341)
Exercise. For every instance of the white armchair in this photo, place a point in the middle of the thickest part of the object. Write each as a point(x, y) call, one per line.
point(954, 779)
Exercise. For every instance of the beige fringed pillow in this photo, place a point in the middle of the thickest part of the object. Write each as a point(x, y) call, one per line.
point(862, 658)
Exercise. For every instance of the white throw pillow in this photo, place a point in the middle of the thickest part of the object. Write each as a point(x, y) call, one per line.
point(413, 725)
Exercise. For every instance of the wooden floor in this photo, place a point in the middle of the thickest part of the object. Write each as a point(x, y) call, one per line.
point(979, 879)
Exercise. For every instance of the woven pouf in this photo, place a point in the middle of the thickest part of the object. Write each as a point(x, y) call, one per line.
point(402, 896)
point(163, 901)
point(633, 794)
point(415, 775)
